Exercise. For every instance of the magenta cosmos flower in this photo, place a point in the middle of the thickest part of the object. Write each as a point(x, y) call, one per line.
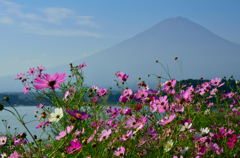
point(50, 82)
point(75, 146)
point(233, 141)
point(78, 114)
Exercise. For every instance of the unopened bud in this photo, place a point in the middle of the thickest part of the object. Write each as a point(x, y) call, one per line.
point(176, 58)
point(6, 98)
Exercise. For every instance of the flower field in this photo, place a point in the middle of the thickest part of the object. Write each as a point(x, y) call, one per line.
point(196, 122)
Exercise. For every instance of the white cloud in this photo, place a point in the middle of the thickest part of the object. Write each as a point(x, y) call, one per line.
point(30, 61)
point(14, 61)
point(6, 20)
point(12, 13)
point(55, 15)
point(31, 28)
point(86, 20)
point(44, 54)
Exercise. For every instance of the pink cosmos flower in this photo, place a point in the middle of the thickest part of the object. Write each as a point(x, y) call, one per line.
point(42, 124)
point(126, 136)
point(20, 76)
point(115, 112)
point(39, 125)
point(120, 152)
point(75, 147)
point(82, 65)
point(40, 69)
point(94, 100)
point(127, 111)
point(92, 136)
point(124, 78)
point(63, 133)
point(38, 75)
point(49, 82)
point(233, 141)
point(40, 105)
point(31, 72)
point(123, 99)
point(169, 86)
point(105, 134)
point(15, 155)
point(26, 89)
point(101, 92)
point(141, 94)
point(119, 74)
point(167, 120)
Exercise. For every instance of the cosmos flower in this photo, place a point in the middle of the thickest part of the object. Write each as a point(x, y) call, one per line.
point(3, 140)
point(82, 65)
point(31, 72)
point(167, 119)
point(204, 130)
point(49, 82)
point(120, 152)
point(55, 117)
point(26, 89)
point(185, 126)
point(233, 141)
point(20, 76)
point(75, 146)
point(105, 134)
point(63, 133)
point(168, 146)
point(78, 114)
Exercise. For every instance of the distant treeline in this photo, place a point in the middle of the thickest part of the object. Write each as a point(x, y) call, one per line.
point(26, 99)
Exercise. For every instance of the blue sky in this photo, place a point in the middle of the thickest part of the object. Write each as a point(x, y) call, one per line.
point(51, 33)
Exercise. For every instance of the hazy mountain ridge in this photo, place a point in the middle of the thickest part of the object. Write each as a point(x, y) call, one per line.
point(202, 53)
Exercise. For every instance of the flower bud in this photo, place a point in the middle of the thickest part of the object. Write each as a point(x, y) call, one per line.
point(6, 98)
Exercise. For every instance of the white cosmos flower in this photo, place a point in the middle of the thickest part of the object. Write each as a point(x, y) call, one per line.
point(55, 117)
point(168, 145)
point(204, 131)
point(4, 155)
point(184, 150)
point(206, 112)
point(185, 126)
